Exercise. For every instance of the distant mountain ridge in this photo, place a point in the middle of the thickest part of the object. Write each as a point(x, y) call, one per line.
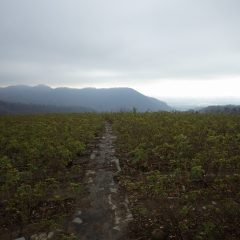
point(233, 109)
point(21, 108)
point(106, 99)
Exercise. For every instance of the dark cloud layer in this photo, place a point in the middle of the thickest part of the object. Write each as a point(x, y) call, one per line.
point(79, 42)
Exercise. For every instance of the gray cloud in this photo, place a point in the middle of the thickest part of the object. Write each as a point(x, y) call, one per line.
point(69, 42)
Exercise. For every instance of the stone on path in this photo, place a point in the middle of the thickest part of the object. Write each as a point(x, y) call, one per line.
point(90, 172)
point(41, 236)
point(50, 235)
point(77, 220)
point(78, 213)
point(113, 190)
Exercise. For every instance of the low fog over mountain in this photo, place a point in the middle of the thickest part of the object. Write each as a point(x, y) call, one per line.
point(112, 99)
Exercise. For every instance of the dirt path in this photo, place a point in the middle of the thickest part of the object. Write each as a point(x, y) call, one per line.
point(108, 215)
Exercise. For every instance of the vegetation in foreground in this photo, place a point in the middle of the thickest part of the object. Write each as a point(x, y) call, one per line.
point(181, 171)
point(182, 174)
point(40, 168)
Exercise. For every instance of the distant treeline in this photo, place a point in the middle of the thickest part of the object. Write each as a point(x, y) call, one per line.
point(20, 108)
point(221, 109)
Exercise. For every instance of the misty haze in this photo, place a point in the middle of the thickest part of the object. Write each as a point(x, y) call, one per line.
point(119, 120)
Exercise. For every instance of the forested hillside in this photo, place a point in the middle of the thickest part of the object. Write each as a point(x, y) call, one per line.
point(100, 100)
point(234, 109)
point(8, 108)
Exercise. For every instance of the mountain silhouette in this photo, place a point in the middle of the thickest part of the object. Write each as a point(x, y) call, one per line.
point(21, 108)
point(106, 99)
point(233, 109)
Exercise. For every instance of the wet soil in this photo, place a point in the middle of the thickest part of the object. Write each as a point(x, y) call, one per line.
point(107, 215)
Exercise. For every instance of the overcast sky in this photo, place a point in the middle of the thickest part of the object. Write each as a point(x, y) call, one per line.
point(162, 48)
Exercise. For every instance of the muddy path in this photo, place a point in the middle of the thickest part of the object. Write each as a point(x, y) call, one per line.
point(107, 216)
